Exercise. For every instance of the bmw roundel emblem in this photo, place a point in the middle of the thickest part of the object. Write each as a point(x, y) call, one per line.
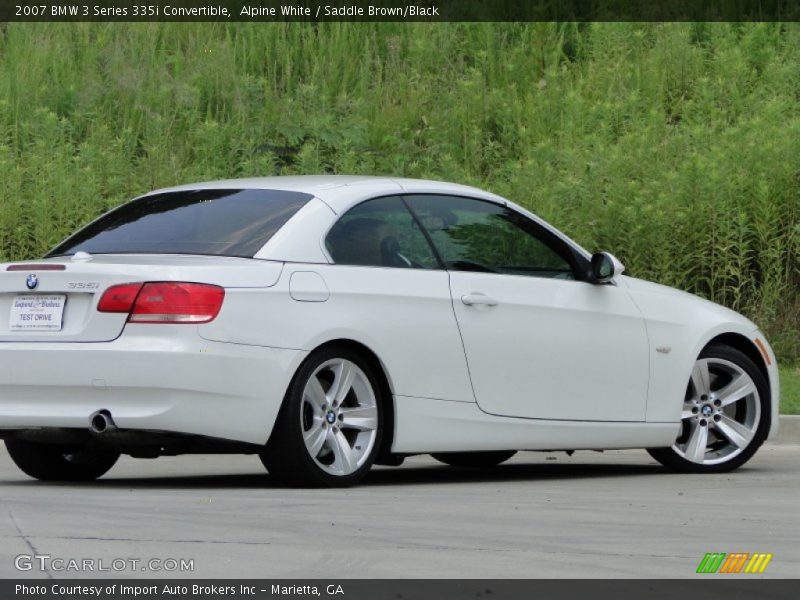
point(32, 281)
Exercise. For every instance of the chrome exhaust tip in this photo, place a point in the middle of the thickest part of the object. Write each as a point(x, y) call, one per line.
point(101, 422)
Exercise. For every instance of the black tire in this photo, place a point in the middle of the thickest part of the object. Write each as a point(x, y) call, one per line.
point(671, 459)
point(55, 462)
point(474, 460)
point(286, 456)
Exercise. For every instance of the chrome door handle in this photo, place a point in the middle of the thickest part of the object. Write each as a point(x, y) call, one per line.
point(478, 299)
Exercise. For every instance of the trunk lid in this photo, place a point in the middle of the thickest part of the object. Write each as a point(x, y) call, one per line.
point(69, 288)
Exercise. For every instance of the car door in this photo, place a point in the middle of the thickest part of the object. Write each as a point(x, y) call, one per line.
point(540, 342)
point(387, 285)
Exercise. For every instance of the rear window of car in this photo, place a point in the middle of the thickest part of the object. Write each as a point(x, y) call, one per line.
point(212, 222)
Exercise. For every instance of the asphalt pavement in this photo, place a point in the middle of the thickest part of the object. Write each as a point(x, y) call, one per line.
point(615, 514)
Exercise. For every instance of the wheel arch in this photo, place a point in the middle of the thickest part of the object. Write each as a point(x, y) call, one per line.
point(725, 342)
point(673, 357)
point(384, 380)
point(747, 347)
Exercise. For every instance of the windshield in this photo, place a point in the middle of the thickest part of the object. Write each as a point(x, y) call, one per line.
point(216, 222)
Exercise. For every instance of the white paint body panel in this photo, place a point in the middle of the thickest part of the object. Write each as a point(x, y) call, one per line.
point(287, 245)
point(308, 286)
point(562, 364)
point(82, 322)
point(516, 348)
point(404, 316)
point(154, 378)
point(686, 324)
point(436, 426)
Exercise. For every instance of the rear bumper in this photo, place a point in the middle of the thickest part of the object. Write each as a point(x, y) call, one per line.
point(150, 378)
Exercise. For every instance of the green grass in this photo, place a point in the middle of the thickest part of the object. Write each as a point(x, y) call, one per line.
point(790, 390)
point(675, 146)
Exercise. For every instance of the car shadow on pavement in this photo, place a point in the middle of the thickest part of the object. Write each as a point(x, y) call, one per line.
point(503, 473)
point(380, 476)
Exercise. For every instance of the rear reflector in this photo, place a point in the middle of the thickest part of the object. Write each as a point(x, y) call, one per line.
point(119, 298)
point(177, 302)
point(42, 267)
point(763, 351)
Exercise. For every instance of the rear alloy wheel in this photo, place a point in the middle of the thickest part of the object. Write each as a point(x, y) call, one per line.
point(475, 460)
point(725, 417)
point(55, 462)
point(329, 430)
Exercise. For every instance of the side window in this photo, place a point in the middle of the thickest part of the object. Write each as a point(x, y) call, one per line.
point(476, 235)
point(380, 233)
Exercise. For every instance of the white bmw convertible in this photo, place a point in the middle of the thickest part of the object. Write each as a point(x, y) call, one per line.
point(329, 323)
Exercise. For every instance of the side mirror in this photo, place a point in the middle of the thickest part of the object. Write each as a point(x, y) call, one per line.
point(605, 267)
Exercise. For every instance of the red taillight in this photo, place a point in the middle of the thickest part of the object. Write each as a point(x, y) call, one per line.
point(119, 298)
point(164, 302)
point(177, 302)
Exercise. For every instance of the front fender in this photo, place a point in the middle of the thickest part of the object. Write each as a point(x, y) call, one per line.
point(679, 326)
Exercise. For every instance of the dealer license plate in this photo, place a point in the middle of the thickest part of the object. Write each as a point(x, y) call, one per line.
point(37, 312)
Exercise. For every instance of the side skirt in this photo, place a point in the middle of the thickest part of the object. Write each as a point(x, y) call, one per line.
point(424, 425)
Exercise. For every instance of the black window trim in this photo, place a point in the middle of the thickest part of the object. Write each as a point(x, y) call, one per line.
point(423, 229)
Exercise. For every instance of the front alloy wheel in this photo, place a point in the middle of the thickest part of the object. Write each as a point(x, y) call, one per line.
point(725, 414)
point(329, 429)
